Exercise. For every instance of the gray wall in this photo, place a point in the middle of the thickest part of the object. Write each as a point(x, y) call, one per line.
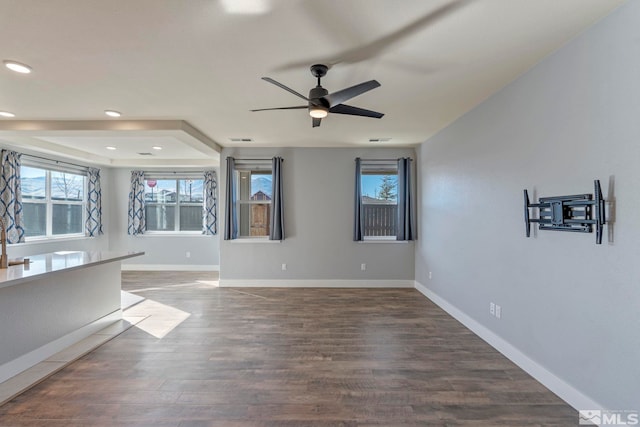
point(570, 305)
point(319, 188)
point(160, 251)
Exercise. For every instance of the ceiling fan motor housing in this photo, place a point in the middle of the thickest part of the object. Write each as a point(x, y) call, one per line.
point(316, 94)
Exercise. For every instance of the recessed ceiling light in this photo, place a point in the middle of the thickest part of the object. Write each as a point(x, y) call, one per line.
point(157, 147)
point(17, 66)
point(112, 113)
point(110, 147)
point(6, 114)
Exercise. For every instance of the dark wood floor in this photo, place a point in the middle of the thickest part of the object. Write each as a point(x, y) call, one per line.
point(287, 357)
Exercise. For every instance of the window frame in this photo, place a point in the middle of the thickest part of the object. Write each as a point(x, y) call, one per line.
point(258, 168)
point(177, 204)
point(378, 167)
point(49, 201)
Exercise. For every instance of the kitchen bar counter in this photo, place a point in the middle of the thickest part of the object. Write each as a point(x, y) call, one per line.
point(56, 262)
point(55, 301)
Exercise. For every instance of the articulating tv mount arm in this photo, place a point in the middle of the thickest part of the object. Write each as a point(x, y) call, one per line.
point(577, 213)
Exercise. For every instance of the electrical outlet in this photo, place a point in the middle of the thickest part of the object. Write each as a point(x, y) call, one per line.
point(429, 275)
point(498, 311)
point(188, 254)
point(492, 309)
point(363, 266)
point(284, 267)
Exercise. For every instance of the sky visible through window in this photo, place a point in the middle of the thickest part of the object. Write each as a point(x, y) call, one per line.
point(27, 172)
point(371, 185)
point(261, 182)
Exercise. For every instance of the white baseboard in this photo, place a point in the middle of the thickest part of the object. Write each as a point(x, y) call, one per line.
point(26, 361)
point(233, 283)
point(169, 267)
point(564, 390)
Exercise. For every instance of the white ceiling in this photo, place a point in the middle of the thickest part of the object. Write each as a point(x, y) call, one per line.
point(185, 73)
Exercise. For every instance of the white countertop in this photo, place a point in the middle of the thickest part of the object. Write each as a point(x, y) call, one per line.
point(55, 262)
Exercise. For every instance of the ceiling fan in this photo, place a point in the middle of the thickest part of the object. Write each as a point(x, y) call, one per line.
point(321, 102)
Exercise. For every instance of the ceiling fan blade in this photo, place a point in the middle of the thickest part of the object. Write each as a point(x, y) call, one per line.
point(299, 107)
point(340, 96)
point(288, 89)
point(355, 111)
point(316, 122)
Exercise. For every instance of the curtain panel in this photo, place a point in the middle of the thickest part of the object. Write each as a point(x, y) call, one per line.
point(93, 224)
point(136, 214)
point(406, 205)
point(276, 229)
point(358, 224)
point(230, 214)
point(11, 196)
point(358, 219)
point(210, 219)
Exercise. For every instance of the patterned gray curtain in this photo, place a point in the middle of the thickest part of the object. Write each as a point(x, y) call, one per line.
point(358, 218)
point(406, 206)
point(210, 219)
point(136, 221)
point(230, 214)
point(276, 230)
point(11, 196)
point(93, 225)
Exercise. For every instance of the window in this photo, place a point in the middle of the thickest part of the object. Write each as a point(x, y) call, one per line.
point(379, 199)
point(254, 201)
point(174, 204)
point(53, 201)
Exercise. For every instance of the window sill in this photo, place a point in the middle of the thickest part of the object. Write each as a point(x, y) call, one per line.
point(174, 234)
point(40, 240)
point(385, 241)
point(253, 240)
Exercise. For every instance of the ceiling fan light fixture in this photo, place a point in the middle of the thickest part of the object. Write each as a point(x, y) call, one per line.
point(318, 112)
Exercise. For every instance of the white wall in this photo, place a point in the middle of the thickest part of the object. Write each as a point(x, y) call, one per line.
point(318, 197)
point(161, 252)
point(568, 304)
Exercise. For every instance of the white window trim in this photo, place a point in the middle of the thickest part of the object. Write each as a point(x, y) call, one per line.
point(260, 167)
point(378, 168)
point(391, 240)
point(49, 201)
point(174, 176)
point(253, 239)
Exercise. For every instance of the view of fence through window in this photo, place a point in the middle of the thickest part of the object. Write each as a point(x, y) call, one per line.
point(380, 203)
point(174, 204)
point(52, 202)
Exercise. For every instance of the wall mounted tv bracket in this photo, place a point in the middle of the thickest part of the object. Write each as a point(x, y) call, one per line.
point(577, 213)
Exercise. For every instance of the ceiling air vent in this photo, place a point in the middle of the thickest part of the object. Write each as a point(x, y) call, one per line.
point(379, 139)
point(241, 139)
point(145, 154)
